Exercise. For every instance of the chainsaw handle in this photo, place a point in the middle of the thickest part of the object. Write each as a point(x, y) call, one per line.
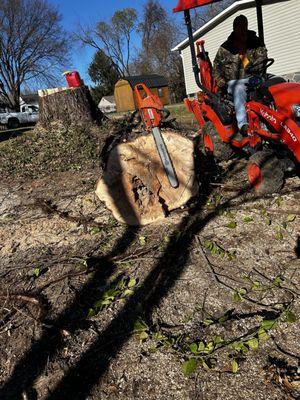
point(150, 106)
point(141, 86)
point(149, 101)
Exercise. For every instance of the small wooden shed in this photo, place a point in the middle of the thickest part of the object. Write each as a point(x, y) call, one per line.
point(124, 95)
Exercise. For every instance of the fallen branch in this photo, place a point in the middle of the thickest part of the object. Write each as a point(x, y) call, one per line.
point(285, 352)
point(222, 284)
point(130, 257)
point(209, 265)
point(27, 299)
point(60, 278)
point(48, 208)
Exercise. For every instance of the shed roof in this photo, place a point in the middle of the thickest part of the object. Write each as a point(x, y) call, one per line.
point(237, 5)
point(152, 81)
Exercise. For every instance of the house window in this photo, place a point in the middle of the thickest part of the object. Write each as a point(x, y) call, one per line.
point(160, 92)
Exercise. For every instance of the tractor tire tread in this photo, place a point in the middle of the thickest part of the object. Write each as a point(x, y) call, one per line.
point(222, 151)
point(271, 169)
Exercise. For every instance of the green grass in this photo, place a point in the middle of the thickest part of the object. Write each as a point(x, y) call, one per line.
point(177, 111)
point(182, 116)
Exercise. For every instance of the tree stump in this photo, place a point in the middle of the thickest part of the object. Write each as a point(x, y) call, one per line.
point(67, 105)
point(134, 185)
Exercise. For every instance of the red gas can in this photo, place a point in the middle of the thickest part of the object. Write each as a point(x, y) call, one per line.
point(73, 78)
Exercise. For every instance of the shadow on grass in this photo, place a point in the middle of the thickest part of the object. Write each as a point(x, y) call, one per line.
point(4, 135)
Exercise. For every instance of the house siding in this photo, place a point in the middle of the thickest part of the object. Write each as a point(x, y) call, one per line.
point(282, 37)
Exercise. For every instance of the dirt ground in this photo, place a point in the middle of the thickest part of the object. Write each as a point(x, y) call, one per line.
point(93, 309)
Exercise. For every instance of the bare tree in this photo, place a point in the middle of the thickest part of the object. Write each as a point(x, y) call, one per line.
point(156, 34)
point(159, 34)
point(202, 15)
point(153, 17)
point(32, 45)
point(114, 38)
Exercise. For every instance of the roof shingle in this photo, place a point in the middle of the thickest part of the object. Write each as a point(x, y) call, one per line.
point(152, 81)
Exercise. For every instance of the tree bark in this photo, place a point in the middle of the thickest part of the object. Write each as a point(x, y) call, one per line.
point(68, 105)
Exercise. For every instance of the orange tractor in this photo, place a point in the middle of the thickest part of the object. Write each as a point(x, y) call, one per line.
point(272, 142)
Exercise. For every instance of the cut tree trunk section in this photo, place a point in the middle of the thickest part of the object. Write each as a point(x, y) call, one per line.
point(67, 105)
point(134, 185)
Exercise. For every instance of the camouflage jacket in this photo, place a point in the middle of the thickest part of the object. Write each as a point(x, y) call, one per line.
point(228, 64)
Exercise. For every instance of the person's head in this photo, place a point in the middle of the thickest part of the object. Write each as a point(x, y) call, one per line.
point(240, 27)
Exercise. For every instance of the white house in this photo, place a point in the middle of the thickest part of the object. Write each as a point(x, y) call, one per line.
point(107, 104)
point(281, 31)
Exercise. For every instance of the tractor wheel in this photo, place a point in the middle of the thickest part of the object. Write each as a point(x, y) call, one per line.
point(265, 172)
point(213, 144)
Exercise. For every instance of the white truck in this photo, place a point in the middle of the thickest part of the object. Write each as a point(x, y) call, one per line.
point(28, 115)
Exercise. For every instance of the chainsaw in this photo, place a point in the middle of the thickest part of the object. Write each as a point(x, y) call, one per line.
point(151, 110)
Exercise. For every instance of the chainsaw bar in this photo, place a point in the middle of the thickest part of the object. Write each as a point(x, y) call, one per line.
point(165, 157)
point(150, 108)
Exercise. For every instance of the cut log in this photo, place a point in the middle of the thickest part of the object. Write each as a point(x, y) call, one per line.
point(67, 105)
point(134, 185)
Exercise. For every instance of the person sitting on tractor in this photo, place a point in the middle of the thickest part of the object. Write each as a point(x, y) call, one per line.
point(243, 49)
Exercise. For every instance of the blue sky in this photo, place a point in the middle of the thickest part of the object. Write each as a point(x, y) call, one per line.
point(91, 11)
